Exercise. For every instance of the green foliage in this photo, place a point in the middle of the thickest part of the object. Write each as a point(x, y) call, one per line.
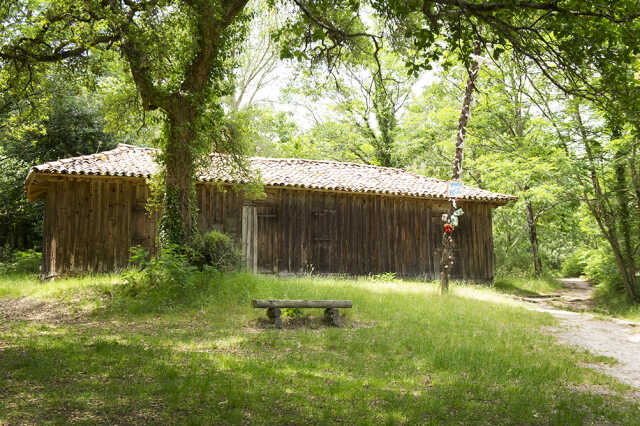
point(22, 262)
point(74, 125)
point(213, 249)
point(166, 278)
point(291, 312)
point(600, 268)
point(576, 263)
point(171, 229)
point(20, 221)
point(364, 94)
point(67, 122)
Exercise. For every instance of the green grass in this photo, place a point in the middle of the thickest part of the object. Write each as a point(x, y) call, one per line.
point(616, 305)
point(408, 355)
point(22, 285)
point(527, 286)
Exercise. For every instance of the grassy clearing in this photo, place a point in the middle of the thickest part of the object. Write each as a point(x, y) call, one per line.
point(408, 355)
point(22, 285)
point(527, 286)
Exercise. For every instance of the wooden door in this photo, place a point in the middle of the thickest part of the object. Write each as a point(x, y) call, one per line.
point(267, 236)
point(323, 227)
point(436, 243)
point(250, 237)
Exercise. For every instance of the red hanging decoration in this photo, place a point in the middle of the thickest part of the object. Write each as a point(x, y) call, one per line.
point(448, 228)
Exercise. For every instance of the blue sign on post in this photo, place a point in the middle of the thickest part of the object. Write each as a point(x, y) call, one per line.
point(455, 188)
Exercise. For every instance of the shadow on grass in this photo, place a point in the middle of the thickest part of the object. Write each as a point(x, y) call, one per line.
point(100, 380)
point(429, 359)
point(510, 288)
point(528, 286)
point(204, 374)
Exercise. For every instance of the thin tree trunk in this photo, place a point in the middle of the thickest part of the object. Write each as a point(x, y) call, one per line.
point(533, 238)
point(605, 216)
point(624, 215)
point(447, 258)
point(635, 177)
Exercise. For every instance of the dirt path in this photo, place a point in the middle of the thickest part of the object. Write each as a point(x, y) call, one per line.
point(614, 338)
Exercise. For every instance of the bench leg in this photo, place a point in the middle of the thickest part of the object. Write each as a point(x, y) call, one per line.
point(332, 316)
point(274, 316)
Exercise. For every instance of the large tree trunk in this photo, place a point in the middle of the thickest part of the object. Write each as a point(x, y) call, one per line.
point(533, 238)
point(447, 259)
point(184, 105)
point(178, 214)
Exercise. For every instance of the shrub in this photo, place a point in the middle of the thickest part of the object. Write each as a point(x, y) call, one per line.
point(167, 275)
point(22, 262)
point(6, 253)
point(575, 264)
point(291, 312)
point(214, 249)
point(168, 280)
point(601, 269)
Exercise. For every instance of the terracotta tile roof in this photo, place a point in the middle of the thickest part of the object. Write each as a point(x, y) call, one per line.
point(128, 160)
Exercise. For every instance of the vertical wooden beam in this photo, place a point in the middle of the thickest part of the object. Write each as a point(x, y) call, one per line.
point(254, 215)
point(250, 237)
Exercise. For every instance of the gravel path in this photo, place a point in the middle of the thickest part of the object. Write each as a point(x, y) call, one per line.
point(614, 338)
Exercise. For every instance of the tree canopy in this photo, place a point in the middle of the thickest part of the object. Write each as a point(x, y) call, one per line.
point(555, 117)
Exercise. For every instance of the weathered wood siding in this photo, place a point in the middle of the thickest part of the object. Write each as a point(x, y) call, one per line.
point(90, 224)
point(331, 232)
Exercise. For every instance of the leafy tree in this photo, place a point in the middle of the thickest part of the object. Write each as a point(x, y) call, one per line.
point(67, 124)
point(510, 148)
point(259, 62)
point(179, 54)
point(606, 159)
point(20, 221)
point(267, 132)
point(601, 142)
point(428, 126)
point(363, 95)
point(516, 149)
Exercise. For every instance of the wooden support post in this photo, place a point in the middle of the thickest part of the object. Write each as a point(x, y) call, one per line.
point(274, 316)
point(250, 237)
point(332, 316)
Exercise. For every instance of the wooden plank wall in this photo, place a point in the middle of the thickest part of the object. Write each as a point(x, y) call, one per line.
point(328, 232)
point(90, 224)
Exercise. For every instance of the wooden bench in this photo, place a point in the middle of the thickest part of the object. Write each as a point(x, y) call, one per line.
point(331, 313)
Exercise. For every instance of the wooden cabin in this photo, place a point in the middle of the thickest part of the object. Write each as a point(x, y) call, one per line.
point(317, 216)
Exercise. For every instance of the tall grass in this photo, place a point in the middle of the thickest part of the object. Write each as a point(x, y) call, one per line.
point(527, 285)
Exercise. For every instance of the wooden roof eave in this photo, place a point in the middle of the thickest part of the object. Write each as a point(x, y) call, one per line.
point(33, 190)
point(37, 183)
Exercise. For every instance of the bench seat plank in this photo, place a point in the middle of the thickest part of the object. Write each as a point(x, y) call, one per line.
point(299, 303)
